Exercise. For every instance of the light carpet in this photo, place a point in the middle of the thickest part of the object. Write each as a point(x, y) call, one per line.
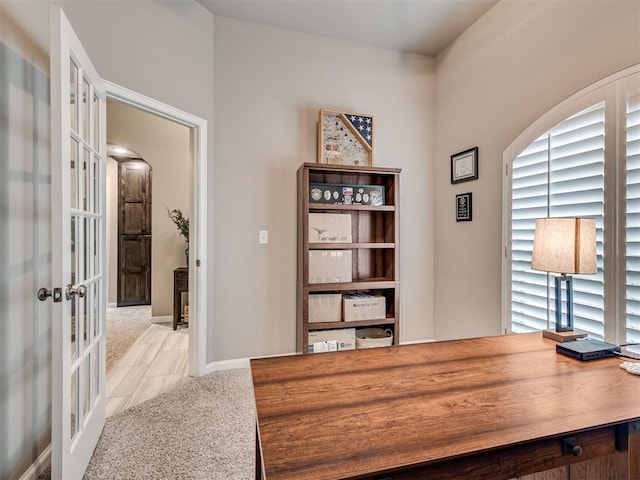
point(124, 326)
point(204, 429)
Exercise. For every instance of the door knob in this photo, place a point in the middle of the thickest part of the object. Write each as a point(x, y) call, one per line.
point(79, 290)
point(56, 294)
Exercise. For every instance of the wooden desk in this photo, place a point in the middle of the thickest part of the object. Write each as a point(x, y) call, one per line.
point(495, 407)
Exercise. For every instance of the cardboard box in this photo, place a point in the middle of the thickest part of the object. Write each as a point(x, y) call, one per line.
point(329, 228)
point(325, 307)
point(346, 337)
point(319, 347)
point(330, 266)
point(364, 307)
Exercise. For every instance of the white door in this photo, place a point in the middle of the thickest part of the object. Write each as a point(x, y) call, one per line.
point(78, 333)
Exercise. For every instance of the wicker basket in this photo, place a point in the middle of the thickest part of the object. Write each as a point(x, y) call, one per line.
point(373, 337)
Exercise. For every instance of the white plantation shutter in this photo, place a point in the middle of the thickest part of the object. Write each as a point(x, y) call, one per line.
point(561, 174)
point(632, 218)
point(530, 198)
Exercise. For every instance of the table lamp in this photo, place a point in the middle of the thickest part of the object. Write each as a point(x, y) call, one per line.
point(565, 246)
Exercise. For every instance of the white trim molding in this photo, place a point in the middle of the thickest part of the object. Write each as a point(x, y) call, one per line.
point(245, 362)
point(198, 240)
point(38, 466)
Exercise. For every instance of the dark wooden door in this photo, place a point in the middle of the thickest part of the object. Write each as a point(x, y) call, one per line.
point(134, 233)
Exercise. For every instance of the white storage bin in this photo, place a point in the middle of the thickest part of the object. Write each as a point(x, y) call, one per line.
point(346, 337)
point(330, 266)
point(325, 307)
point(364, 307)
point(329, 228)
point(373, 337)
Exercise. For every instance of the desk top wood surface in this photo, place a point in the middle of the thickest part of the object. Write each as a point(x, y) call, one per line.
point(345, 414)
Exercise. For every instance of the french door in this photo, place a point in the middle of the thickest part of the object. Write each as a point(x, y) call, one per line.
point(78, 240)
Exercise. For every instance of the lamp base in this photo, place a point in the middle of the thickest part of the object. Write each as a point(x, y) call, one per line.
point(561, 337)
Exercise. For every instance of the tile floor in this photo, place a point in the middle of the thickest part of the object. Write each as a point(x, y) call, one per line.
point(156, 363)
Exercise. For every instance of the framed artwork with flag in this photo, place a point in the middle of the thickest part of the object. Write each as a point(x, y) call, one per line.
point(345, 138)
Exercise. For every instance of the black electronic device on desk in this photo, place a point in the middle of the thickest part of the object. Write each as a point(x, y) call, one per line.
point(588, 349)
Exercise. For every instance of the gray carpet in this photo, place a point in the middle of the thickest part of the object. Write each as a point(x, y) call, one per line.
point(204, 429)
point(124, 326)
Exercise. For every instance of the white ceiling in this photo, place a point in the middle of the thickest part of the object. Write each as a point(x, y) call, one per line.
point(416, 26)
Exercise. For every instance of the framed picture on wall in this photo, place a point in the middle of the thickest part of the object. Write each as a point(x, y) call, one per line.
point(463, 207)
point(345, 138)
point(464, 166)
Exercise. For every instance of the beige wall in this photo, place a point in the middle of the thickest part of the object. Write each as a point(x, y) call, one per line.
point(520, 59)
point(269, 87)
point(165, 146)
point(111, 199)
point(25, 249)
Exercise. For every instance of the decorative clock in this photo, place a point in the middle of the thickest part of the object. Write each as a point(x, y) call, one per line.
point(345, 138)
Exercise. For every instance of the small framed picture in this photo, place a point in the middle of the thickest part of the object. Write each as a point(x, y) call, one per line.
point(463, 207)
point(464, 166)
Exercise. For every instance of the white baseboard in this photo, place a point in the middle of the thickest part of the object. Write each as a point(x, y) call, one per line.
point(36, 468)
point(428, 340)
point(237, 363)
point(226, 365)
point(162, 319)
point(112, 305)
point(244, 362)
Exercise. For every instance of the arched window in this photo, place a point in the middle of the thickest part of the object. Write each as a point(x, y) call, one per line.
point(581, 159)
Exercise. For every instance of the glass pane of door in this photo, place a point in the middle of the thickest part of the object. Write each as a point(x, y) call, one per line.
point(73, 95)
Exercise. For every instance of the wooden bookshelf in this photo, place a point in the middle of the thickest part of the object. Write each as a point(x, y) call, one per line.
point(374, 245)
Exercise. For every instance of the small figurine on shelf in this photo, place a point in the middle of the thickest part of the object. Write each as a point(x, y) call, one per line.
point(182, 223)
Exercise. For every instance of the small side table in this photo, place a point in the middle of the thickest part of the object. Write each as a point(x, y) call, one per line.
point(180, 285)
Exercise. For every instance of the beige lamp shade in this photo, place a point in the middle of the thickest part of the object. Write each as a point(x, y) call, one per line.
point(565, 245)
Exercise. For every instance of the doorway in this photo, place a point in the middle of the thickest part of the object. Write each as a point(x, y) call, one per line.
point(198, 238)
point(152, 177)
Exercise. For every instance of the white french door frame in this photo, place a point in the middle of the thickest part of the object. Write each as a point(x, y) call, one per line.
point(198, 241)
point(78, 148)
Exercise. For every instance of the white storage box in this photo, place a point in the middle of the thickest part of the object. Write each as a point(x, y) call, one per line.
point(329, 228)
point(325, 307)
point(364, 307)
point(346, 337)
point(319, 347)
point(373, 337)
point(330, 266)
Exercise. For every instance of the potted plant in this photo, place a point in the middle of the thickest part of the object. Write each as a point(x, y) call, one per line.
point(182, 223)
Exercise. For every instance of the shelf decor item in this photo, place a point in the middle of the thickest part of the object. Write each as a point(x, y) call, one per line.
point(345, 138)
point(346, 194)
point(182, 223)
point(463, 207)
point(464, 166)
